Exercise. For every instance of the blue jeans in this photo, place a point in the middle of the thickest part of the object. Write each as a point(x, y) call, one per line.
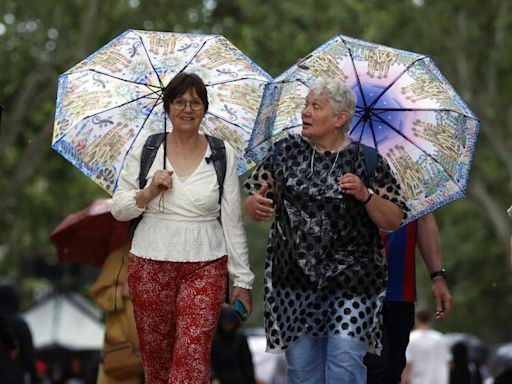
point(326, 360)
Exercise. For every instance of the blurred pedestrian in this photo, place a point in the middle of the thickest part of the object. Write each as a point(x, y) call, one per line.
point(17, 362)
point(462, 369)
point(42, 372)
point(231, 356)
point(75, 370)
point(398, 309)
point(7, 337)
point(110, 292)
point(428, 356)
point(504, 377)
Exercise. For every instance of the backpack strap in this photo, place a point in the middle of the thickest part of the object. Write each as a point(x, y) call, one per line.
point(150, 149)
point(148, 155)
point(218, 157)
point(147, 158)
point(370, 160)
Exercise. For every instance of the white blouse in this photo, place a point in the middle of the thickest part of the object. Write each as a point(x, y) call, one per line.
point(187, 229)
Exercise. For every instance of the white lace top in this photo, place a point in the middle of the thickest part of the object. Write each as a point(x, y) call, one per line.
point(188, 228)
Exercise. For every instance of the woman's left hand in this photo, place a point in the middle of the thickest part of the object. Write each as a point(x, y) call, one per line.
point(244, 295)
point(352, 185)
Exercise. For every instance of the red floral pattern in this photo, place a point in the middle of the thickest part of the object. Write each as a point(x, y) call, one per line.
point(176, 306)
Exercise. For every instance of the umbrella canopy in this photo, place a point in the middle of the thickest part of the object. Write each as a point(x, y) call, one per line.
point(66, 320)
point(478, 351)
point(406, 109)
point(115, 95)
point(88, 236)
point(502, 357)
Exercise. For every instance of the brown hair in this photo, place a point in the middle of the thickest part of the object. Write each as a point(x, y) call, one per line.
point(423, 314)
point(180, 84)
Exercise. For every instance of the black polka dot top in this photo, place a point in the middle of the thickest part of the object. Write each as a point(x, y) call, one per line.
point(325, 271)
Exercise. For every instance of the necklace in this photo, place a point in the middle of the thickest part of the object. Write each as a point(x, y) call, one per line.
point(343, 145)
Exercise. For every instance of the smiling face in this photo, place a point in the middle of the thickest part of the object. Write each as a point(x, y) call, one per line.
point(187, 119)
point(318, 118)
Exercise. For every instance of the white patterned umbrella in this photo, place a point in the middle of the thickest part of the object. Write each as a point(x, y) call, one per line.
point(115, 95)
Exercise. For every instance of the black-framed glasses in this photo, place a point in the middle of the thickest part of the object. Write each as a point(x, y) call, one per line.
point(180, 104)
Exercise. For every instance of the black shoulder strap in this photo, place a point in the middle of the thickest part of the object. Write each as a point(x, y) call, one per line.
point(148, 156)
point(370, 160)
point(218, 157)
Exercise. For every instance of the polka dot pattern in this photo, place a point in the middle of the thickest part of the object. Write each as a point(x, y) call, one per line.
point(325, 272)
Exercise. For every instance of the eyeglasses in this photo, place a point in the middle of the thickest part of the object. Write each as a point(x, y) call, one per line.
point(180, 104)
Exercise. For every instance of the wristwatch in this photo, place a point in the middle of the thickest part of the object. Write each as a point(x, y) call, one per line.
point(441, 273)
point(370, 195)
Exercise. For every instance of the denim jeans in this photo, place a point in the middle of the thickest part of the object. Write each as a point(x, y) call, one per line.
point(326, 360)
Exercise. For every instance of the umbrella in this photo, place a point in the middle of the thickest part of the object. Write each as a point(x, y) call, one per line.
point(55, 320)
point(478, 351)
point(502, 357)
point(406, 109)
point(88, 236)
point(115, 95)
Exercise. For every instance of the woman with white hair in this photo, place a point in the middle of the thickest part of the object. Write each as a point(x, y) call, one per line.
point(325, 274)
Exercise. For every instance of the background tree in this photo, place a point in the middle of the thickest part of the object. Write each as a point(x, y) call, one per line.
point(470, 40)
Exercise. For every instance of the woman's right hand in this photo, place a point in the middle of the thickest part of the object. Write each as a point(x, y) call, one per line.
point(161, 181)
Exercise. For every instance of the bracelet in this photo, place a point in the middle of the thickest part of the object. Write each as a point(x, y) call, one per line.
point(370, 195)
point(441, 273)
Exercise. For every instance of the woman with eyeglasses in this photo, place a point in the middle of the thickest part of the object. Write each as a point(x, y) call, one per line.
point(325, 274)
point(181, 251)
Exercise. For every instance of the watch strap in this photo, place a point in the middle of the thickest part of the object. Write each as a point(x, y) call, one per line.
point(370, 195)
point(441, 273)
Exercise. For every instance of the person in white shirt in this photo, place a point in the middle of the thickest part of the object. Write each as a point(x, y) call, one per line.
point(428, 356)
point(181, 252)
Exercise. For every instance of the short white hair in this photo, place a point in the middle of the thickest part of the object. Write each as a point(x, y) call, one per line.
point(342, 98)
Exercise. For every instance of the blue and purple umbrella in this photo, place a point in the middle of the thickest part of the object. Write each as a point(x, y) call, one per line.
point(406, 109)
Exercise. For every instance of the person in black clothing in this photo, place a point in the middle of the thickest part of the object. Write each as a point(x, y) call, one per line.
point(18, 362)
point(7, 337)
point(459, 371)
point(231, 357)
point(504, 377)
point(463, 370)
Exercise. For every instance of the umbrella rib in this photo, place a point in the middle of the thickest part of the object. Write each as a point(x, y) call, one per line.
point(123, 104)
point(355, 125)
point(135, 138)
point(381, 110)
point(288, 81)
point(227, 121)
point(197, 52)
point(421, 149)
point(359, 85)
point(269, 138)
point(112, 108)
point(151, 63)
point(121, 79)
point(395, 80)
point(235, 80)
point(373, 135)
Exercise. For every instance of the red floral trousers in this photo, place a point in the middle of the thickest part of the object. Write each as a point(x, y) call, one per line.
point(176, 306)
